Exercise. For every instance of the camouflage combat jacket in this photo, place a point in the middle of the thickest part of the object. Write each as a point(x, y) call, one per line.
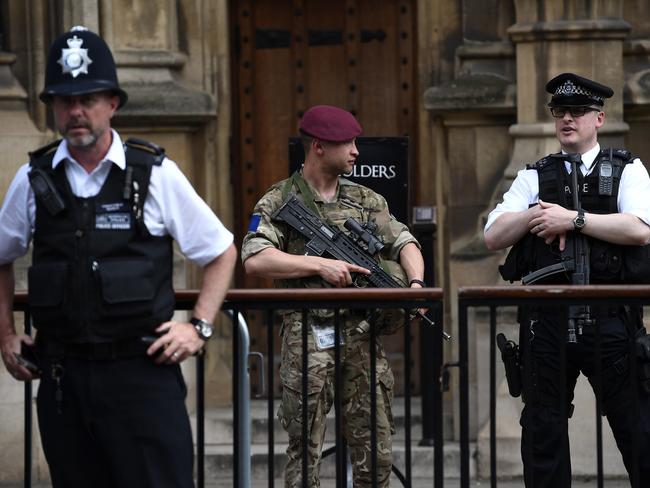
point(352, 200)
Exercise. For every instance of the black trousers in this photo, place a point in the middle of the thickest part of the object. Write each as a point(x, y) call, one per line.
point(118, 423)
point(549, 389)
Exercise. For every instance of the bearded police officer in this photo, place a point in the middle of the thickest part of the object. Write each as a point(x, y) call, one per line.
point(271, 249)
point(102, 215)
point(537, 215)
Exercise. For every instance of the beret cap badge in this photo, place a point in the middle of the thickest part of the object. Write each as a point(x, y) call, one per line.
point(74, 59)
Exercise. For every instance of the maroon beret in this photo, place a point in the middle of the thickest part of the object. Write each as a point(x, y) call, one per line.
point(330, 124)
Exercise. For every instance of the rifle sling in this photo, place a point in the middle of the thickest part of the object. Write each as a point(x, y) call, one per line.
point(298, 180)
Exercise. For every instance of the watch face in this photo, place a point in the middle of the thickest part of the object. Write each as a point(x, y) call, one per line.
point(206, 330)
point(203, 328)
point(579, 222)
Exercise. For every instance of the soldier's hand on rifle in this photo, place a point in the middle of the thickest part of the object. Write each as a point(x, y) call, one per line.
point(553, 221)
point(339, 273)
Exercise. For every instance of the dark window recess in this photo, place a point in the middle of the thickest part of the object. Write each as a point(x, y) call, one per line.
point(325, 37)
point(272, 38)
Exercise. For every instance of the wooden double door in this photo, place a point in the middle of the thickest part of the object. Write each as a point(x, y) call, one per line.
point(289, 55)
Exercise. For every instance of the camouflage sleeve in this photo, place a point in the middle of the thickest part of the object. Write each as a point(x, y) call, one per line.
point(262, 231)
point(395, 234)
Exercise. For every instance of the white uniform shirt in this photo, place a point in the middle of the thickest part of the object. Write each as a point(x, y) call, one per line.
point(172, 206)
point(633, 192)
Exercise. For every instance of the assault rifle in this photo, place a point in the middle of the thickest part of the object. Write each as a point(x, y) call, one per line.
point(323, 239)
point(574, 258)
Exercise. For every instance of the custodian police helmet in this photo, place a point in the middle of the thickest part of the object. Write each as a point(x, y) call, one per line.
point(80, 62)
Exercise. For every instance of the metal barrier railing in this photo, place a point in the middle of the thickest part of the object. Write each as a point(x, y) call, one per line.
point(269, 301)
point(540, 296)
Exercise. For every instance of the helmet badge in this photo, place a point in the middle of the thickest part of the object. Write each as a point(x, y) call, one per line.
point(75, 60)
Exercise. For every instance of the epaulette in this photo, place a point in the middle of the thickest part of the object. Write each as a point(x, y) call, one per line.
point(621, 154)
point(42, 151)
point(151, 150)
point(542, 163)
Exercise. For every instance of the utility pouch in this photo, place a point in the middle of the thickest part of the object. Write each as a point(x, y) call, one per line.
point(510, 357)
point(636, 261)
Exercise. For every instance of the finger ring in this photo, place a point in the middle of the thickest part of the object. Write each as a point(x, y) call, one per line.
point(175, 355)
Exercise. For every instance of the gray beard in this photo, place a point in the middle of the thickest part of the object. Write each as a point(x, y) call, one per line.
point(82, 142)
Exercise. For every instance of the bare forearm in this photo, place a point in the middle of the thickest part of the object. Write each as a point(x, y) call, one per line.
point(273, 263)
point(217, 276)
point(617, 228)
point(626, 229)
point(507, 229)
point(276, 264)
point(6, 300)
point(411, 260)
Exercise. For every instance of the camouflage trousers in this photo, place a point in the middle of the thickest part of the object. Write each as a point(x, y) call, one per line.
point(355, 406)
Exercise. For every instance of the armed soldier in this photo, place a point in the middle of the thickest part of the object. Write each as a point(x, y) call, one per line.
point(539, 216)
point(102, 215)
point(272, 249)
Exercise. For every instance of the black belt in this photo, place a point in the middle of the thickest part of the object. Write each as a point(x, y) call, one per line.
point(93, 351)
point(560, 312)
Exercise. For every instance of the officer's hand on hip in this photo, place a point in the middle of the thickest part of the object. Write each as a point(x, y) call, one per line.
point(9, 347)
point(179, 341)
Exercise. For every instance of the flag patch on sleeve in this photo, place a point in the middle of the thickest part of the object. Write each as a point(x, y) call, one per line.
point(254, 222)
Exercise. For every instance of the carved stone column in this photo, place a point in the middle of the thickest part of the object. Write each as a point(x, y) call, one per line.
point(550, 40)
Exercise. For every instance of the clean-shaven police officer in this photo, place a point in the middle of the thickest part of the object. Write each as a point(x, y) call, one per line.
point(537, 215)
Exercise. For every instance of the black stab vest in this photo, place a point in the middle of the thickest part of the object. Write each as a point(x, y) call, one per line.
point(97, 273)
point(532, 253)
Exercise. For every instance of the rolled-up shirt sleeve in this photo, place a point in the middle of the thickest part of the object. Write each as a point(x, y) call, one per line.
point(262, 231)
point(173, 207)
point(17, 218)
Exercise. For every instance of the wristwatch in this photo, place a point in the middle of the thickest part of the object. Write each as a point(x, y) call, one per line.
point(579, 222)
point(203, 328)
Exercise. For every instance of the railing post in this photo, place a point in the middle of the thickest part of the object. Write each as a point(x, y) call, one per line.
point(493, 398)
point(200, 421)
point(270, 396)
point(305, 397)
point(28, 416)
point(243, 394)
point(464, 393)
point(437, 411)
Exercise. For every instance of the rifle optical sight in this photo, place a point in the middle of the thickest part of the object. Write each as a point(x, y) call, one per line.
point(362, 233)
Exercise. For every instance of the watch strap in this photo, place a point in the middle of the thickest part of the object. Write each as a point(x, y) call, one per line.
point(579, 220)
point(199, 325)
